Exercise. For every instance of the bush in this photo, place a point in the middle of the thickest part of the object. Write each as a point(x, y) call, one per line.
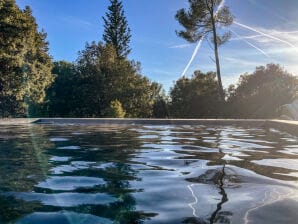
point(115, 110)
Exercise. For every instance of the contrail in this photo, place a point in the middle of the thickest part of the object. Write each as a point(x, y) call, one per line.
point(220, 6)
point(265, 34)
point(193, 56)
point(195, 52)
point(250, 44)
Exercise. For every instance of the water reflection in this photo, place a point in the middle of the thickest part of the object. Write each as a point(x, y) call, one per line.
point(147, 174)
point(51, 175)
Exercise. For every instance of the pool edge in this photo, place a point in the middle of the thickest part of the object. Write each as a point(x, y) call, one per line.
point(283, 125)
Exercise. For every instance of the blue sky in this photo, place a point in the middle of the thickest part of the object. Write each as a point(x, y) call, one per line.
point(265, 31)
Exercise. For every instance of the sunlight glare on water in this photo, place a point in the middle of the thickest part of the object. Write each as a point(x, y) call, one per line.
point(148, 174)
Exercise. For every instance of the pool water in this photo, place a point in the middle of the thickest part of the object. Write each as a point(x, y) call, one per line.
point(147, 174)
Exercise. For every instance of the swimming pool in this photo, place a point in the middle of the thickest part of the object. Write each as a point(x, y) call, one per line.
point(147, 174)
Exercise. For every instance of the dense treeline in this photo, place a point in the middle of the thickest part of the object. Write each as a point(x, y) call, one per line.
point(196, 97)
point(102, 82)
point(262, 93)
point(88, 87)
point(256, 95)
point(25, 66)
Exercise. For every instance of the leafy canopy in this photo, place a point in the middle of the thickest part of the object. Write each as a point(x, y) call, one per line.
point(260, 94)
point(198, 20)
point(24, 60)
point(115, 110)
point(196, 97)
point(99, 77)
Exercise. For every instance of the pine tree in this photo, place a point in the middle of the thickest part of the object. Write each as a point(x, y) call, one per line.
point(202, 18)
point(25, 66)
point(116, 30)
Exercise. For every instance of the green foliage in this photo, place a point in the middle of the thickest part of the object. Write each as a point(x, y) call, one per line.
point(198, 19)
point(160, 105)
point(87, 88)
point(202, 18)
point(62, 95)
point(260, 94)
point(115, 110)
point(116, 30)
point(24, 61)
point(160, 108)
point(196, 97)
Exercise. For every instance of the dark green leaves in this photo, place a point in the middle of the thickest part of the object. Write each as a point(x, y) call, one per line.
point(25, 66)
point(116, 30)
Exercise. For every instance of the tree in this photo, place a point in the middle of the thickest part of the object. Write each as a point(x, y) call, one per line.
point(115, 110)
point(62, 96)
point(116, 30)
point(261, 94)
point(160, 106)
point(196, 97)
point(25, 63)
point(105, 77)
point(202, 18)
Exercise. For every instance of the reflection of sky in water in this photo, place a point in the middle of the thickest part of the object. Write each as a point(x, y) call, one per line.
point(150, 174)
point(62, 217)
point(67, 183)
point(67, 199)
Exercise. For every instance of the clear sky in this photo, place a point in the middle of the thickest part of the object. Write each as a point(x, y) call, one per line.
point(265, 31)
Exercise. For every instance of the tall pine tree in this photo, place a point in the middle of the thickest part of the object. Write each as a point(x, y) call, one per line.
point(116, 30)
point(202, 18)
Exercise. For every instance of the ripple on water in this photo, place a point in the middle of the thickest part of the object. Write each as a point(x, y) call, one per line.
point(62, 217)
point(178, 174)
point(149, 137)
point(73, 166)
point(70, 147)
point(59, 139)
point(291, 164)
point(230, 158)
point(60, 158)
point(68, 183)
point(66, 199)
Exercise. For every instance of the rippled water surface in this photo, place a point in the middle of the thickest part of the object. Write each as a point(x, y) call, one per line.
point(147, 174)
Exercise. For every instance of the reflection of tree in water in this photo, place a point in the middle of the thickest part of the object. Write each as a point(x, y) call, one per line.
point(23, 164)
point(108, 154)
point(110, 151)
point(220, 172)
point(12, 208)
point(116, 150)
point(215, 177)
point(218, 214)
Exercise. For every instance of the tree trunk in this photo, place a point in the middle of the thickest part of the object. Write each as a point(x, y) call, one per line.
point(220, 88)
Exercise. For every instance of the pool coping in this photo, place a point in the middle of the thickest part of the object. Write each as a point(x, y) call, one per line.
point(283, 125)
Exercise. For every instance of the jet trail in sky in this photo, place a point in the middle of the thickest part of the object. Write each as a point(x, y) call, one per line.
point(265, 34)
point(192, 57)
point(250, 44)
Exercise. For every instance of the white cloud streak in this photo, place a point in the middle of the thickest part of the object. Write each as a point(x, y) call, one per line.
point(180, 46)
point(265, 34)
point(250, 44)
point(194, 54)
point(75, 21)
